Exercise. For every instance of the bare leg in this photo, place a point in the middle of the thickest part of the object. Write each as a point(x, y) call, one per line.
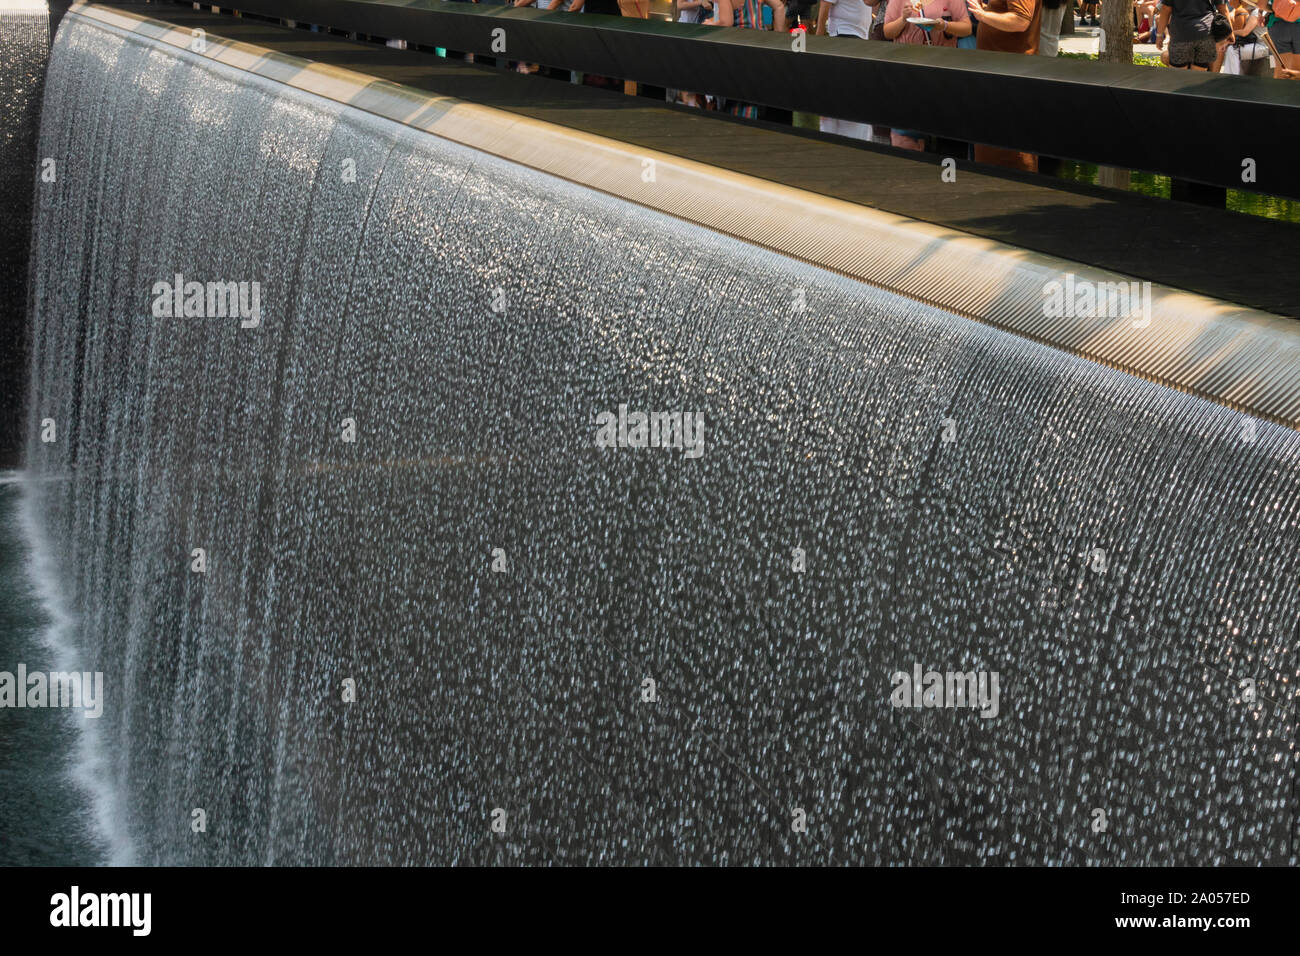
point(778, 15)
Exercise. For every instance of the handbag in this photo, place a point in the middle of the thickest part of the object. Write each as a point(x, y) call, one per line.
point(877, 29)
point(1220, 26)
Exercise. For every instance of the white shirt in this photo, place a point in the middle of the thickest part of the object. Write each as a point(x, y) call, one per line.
point(848, 17)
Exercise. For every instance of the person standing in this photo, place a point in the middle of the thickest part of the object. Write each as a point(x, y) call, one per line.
point(637, 10)
point(748, 15)
point(691, 11)
point(604, 8)
point(1186, 24)
point(953, 24)
point(522, 67)
point(1049, 34)
point(1007, 26)
point(844, 18)
point(1247, 51)
point(1284, 30)
point(850, 19)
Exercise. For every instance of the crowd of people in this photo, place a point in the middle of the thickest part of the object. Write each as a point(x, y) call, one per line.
point(1240, 37)
point(1256, 37)
point(1237, 37)
point(1251, 37)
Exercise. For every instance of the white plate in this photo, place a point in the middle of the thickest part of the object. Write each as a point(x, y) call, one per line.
point(923, 21)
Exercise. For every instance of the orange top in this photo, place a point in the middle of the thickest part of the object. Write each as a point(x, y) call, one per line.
point(1288, 10)
point(1000, 41)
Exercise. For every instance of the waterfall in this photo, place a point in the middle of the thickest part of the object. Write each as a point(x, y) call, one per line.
point(24, 49)
point(345, 482)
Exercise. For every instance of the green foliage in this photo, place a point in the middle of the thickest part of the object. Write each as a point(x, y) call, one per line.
point(1139, 59)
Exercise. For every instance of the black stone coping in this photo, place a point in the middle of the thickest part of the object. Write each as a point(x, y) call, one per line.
point(1195, 127)
point(1239, 258)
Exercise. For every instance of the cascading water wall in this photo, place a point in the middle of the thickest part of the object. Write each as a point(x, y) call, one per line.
point(363, 580)
point(24, 49)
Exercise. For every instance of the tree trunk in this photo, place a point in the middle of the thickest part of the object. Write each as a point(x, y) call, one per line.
point(1117, 29)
